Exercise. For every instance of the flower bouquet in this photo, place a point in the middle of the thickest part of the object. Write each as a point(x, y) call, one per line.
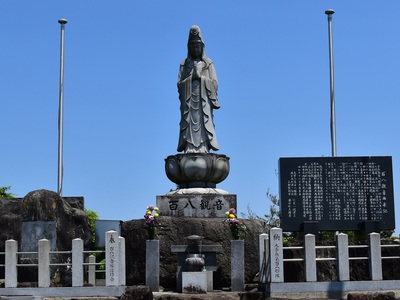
point(238, 229)
point(151, 218)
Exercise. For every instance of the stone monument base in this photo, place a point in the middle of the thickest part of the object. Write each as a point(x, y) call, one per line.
point(194, 204)
point(197, 282)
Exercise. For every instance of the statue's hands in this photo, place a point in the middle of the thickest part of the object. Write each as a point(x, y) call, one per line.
point(195, 75)
point(197, 69)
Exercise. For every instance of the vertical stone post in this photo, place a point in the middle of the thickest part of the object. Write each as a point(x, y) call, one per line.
point(44, 263)
point(11, 280)
point(276, 254)
point(309, 257)
point(237, 265)
point(263, 246)
point(122, 268)
point(342, 244)
point(375, 256)
point(92, 270)
point(77, 262)
point(153, 264)
point(112, 258)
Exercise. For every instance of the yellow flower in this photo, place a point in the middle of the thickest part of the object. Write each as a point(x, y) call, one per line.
point(231, 216)
point(149, 212)
point(155, 215)
point(156, 208)
point(227, 213)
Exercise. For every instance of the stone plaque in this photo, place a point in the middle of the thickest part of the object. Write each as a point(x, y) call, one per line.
point(34, 231)
point(102, 226)
point(196, 205)
point(336, 193)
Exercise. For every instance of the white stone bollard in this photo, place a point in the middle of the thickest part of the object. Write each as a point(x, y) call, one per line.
point(153, 264)
point(276, 254)
point(342, 244)
point(309, 257)
point(77, 262)
point(44, 263)
point(11, 280)
point(92, 270)
point(112, 258)
point(237, 266)
point(263, 246)
point(122, 269)
point(375, 256)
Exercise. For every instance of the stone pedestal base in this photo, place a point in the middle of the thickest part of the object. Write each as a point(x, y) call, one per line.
point(196, 205)
point(197, 282)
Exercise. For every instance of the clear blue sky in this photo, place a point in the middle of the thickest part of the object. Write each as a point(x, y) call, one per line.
point(121, 114)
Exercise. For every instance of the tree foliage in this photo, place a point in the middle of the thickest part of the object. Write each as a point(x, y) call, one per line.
point(272, 218)
point(93, 216)
point(4, 193)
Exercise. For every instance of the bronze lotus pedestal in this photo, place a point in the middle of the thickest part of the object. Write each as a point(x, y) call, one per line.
point(197, 170)
point(196, 176)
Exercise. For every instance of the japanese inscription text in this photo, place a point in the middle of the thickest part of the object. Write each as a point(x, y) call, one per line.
point(339, 192)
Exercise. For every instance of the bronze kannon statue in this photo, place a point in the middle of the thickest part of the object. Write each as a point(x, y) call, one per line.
point(197, 87)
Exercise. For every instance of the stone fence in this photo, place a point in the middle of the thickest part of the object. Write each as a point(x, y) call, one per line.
point(272, 262)
point(272, 258)
point(114, 270)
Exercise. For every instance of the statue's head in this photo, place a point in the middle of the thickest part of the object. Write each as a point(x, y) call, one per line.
point(195, 43)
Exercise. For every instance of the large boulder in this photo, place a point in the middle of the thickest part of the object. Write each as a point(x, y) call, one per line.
point(174, 231)
point(42, 205)
point(10, 221)
point(68, 213)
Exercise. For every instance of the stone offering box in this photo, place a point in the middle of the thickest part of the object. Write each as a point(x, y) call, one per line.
point(336, 193)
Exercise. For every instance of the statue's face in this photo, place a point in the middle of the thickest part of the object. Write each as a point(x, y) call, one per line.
point(196, 49)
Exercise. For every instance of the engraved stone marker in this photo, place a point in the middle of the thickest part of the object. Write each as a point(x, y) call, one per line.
point(34, 231)
point(336, 193)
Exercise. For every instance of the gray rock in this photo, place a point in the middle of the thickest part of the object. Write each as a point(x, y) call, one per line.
point(72, 222)
point(137, 293)
point(174, 231)
point(372, 296)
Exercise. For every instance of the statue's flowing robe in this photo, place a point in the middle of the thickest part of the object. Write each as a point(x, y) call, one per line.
point(198, 99)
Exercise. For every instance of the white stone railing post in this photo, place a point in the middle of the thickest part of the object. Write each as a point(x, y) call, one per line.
point(77, 262)
point(112, 258)
point(122, 269)
point(11, 280)
point(92, 270)
point(153, 264)
point(237, 265)
point(310, 258)
point(263, 246)
point(44, 263)
point(276, 254)
point(342, 244)
point(375, 256)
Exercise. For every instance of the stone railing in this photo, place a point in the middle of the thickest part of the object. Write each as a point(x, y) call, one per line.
point(272, 256)
point(114, 270)
point(272, 262)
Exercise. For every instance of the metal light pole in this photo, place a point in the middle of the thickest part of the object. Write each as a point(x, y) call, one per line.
point(330, 12)
point(61, 110)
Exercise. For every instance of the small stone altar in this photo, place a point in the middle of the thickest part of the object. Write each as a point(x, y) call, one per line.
point(210, 263)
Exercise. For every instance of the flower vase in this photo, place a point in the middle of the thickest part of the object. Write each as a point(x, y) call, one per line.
point(235, 233)
point(152, 232)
